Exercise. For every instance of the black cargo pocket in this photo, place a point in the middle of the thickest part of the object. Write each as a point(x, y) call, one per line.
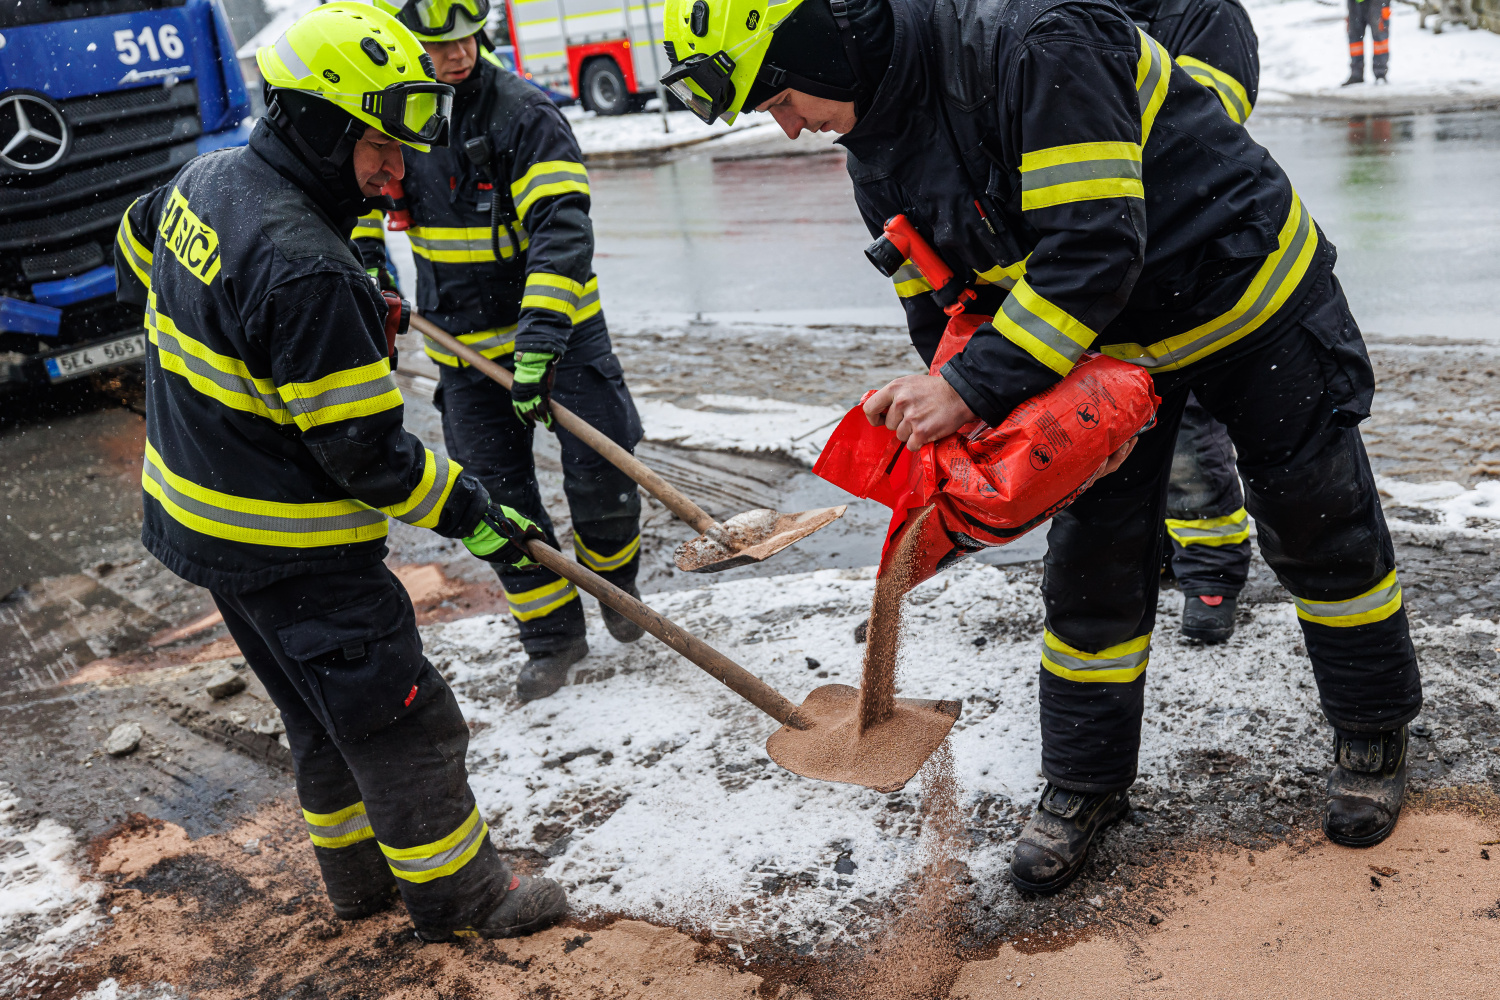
point(1347, 374)
point(361, 662)
point(612, 405)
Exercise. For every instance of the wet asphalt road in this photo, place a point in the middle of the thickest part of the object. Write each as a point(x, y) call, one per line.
point(1405, 199)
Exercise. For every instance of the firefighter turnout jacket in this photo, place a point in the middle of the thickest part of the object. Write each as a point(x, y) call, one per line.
point(1212, 40)
point(274, 444)
point(529, 300)
point(1052, 150)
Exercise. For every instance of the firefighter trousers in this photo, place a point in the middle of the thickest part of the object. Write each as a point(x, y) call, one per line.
point(378, 742)
point(1207, 525)
point(1287, 402)
point(483, 433)
point(1374, 15)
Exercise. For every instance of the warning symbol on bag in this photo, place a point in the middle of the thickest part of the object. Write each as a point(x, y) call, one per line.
point(1041, 457)
point(1088, 416)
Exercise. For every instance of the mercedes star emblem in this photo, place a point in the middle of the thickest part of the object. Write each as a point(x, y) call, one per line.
point(33, 134)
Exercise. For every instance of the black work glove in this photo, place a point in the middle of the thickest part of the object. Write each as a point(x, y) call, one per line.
point(499, 536)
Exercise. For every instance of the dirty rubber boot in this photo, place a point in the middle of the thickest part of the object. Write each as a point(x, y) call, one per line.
point(1055, 843)
point(530, 904)
point(1208, 619)
point(545, 672)
point(1365, 787)
point(622, 628)
point(1355, 76)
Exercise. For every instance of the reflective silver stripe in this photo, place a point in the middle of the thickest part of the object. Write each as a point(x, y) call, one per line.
point(342, 395)
point(1147, 88)
point(168, 343)
point(434, 493)
point(289, 56)
point(1085, 170)
point(263, 522)
point(907, 272)
point(589, 300)
point(500, 338)
point(1041, 329)
point(1127, 661)
point(353, 824)
point(442, 859)
point(1252, 315)
point(562, 593)
point(552, 178)
point(566, 296)
point(1386, 591)
point(472, 245)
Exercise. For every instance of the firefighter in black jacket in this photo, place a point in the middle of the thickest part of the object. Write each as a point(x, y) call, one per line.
point(1207, 525)
point(1035, 144)
point(504, 250)
point(275, 453)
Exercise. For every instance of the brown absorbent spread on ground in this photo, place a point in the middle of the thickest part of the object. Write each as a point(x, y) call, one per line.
point(868, 736)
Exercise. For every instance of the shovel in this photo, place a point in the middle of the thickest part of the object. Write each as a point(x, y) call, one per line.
point(822, 738)
point(751, 537)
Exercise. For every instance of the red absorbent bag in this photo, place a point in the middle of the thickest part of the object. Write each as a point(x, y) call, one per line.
point(990, 485)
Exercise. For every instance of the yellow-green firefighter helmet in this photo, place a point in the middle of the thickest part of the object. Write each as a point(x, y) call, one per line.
point(368, 64)
point(716, 48)
point(439, 20)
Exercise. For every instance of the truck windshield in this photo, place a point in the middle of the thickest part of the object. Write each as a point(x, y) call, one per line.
point(15, 13)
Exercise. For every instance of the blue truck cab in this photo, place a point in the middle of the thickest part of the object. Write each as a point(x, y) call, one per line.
point(100, 101)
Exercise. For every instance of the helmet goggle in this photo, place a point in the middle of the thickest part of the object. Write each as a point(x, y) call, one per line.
point(414, 112)
point(412, 15)
point(702, 83)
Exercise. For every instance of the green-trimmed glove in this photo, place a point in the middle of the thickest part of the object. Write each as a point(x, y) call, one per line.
point(530, 393)
point(498, 537)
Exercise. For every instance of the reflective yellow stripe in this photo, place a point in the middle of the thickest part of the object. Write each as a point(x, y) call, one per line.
point(1152, 71)
point(1115, 665)
point(588, 305)
point(489, 343)
point(443, 857)
point(1004, 277)
point(222, 378)
point(133, 250)
point(353, 392)
point(258, 522)
point(1374, 605)
point(462, 245)
point(602, 563)
point(370, 227)
point(1228, 530)
point(548, 179)
point(339, 829)
point(1041, 329)
point(1273, 284)
point(1233, 96)
point(552, 291)
point(425, 504)
point(909, 281)
point(542, 601)
point(1083, 171)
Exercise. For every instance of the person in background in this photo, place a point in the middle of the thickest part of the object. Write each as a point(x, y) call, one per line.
point(504, 251)
point(1208, 528)
point(1376, 16)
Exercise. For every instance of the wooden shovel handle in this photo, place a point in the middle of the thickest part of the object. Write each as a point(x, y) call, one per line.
point(735, 677)
point(621, 459)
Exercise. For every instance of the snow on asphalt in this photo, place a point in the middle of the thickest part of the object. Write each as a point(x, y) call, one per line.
point(741, 424)
point(1304, 51)
point(647, 784)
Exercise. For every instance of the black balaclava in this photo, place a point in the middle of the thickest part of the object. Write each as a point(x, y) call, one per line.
point(316, 130)
point(809, 45)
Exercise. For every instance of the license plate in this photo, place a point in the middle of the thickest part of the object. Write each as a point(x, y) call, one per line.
point(115, 352)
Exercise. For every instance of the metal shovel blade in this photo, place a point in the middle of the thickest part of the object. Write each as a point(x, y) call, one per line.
point(884, 757)
point(751, 537)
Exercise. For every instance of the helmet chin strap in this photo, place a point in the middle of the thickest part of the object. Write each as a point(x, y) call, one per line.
point(327, 166)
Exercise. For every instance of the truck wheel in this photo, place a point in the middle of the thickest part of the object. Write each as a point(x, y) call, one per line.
point(604, 90)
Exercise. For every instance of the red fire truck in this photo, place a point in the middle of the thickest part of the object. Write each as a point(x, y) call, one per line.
point(607, 53)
